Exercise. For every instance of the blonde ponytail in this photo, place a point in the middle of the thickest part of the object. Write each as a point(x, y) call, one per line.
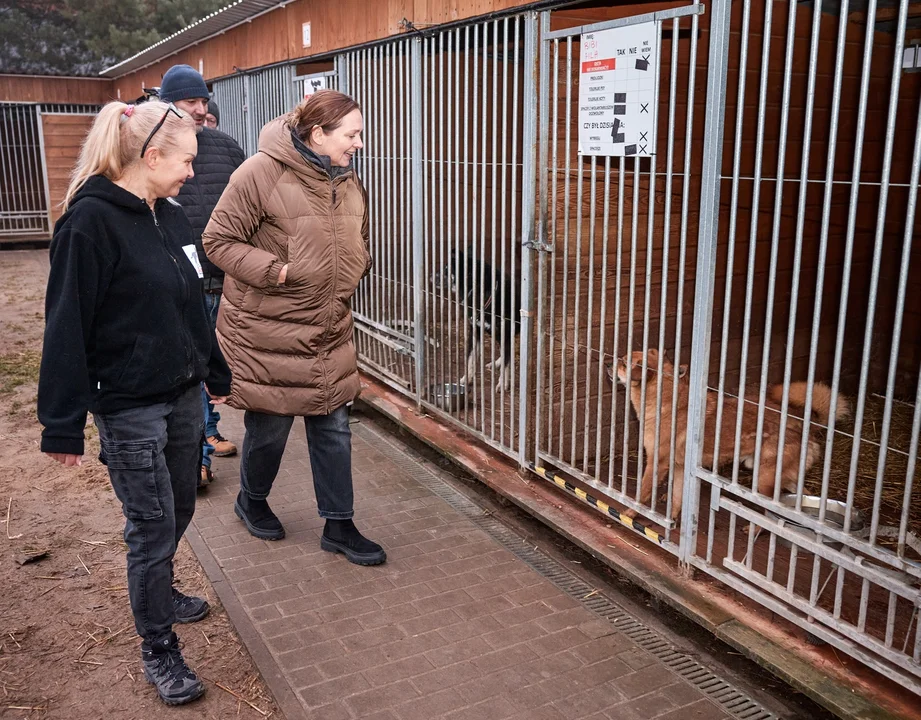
point(114, 142)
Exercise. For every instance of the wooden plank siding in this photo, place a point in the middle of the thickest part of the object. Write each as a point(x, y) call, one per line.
point(276, 36)
point(46, 89)
point(63, 136)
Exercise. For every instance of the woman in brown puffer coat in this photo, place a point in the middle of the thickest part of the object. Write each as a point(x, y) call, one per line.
point(291, 234)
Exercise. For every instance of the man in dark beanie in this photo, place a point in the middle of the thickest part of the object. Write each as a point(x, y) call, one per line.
point(213, 116)
point(218, 156)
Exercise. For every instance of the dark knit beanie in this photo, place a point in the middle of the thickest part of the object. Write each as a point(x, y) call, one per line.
point(212, 108)
point(182, 82)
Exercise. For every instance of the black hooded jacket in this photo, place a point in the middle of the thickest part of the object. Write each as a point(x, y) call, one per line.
point(218, 156)
point(125, 319)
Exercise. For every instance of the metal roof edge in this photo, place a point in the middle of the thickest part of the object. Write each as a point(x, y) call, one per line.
point(113, 74)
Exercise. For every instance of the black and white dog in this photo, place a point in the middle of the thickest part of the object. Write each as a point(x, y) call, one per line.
point(492, 305)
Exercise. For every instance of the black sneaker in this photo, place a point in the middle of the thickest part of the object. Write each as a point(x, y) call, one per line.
point(188, 608)
point(258, 517)
point(166, 670)
point(341, 536)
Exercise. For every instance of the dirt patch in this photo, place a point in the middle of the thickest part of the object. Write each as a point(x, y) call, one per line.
point(68, 648)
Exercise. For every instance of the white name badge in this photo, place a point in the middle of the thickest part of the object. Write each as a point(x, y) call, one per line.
point(192, 254)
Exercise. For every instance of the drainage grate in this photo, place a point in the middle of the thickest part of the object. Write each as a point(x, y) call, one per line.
point(732, 700)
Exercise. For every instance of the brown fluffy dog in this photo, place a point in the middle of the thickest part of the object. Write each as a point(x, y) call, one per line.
point(664, 378)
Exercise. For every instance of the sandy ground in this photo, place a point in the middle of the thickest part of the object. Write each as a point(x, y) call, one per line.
point(67, 643)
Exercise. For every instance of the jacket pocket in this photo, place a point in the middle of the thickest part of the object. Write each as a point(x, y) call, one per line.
point(134, 478)
point(133, 375)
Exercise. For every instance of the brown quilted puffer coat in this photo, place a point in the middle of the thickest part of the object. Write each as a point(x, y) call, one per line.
point(290, 347)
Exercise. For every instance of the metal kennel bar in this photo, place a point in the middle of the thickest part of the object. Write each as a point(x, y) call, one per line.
point(229, 94)
point(616, 275)
point(804, 430)
point(385, 80)
point(443, 316)
point(250, 100)
point(24, 200)
point(269, 93)
point(69, 109)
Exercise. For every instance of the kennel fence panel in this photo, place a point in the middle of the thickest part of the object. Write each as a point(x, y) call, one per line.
point(381, 79)
point(24, 197)
point(229, 94)
point(805, 251)
point(477, 135)
point(445, 171)
point(617, 276)
point(268, 94)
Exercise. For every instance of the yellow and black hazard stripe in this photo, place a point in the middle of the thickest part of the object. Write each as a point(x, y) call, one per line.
point(596, 503)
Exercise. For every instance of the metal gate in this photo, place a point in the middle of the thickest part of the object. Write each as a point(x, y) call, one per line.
point(269, 93)
point(613, 274)
point(248, 101)
point(804, 419)
point(24, 199)
point(449, 170)
point(386, 304)
point(230, 96)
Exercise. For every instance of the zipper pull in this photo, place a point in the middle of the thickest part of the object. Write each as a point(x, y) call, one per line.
point(154, 213)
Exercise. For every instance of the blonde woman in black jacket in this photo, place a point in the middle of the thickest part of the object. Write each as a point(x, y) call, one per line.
point(127, 338)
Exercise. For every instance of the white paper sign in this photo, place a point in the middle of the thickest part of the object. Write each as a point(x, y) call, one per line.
point(617, 91)
point(314, 83)
point(192, 254)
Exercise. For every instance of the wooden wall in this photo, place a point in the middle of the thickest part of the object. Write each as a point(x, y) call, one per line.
point(63, 136)
point(276, 36)
point(46, 89)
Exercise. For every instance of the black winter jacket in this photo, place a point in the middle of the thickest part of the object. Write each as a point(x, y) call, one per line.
point(125, 319)
point(218, 156)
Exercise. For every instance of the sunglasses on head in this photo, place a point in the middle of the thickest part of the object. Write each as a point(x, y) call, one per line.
point(170, 109)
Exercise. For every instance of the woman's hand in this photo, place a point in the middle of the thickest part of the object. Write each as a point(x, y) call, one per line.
point(65, 459)
point(283, 274)
point(216, 399)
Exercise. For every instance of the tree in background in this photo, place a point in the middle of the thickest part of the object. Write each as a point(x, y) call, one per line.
point(83, 37)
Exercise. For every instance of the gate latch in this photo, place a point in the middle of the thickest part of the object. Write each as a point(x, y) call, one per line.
point(540, 244)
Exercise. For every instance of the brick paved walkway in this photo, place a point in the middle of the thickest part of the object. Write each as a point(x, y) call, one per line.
point(453, 625)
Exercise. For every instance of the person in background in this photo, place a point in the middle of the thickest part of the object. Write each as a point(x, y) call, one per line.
point(218, 156)
point(213, 116)
point(128, 339)
point(291, 232)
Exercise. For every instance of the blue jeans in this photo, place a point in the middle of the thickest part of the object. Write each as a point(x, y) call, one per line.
point(153, 455)
point(212, 416)
point(329, 441)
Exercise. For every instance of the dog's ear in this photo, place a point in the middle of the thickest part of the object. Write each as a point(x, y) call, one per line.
point(682, 370)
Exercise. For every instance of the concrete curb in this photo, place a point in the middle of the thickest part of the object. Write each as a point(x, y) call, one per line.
point(284, 696)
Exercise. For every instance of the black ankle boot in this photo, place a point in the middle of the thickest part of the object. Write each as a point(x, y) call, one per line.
point(258, 517)
point(343, 537)
point(165, 669)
